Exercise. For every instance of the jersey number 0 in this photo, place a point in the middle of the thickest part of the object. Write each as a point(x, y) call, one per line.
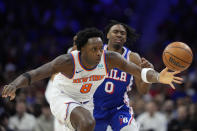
point(109, 87)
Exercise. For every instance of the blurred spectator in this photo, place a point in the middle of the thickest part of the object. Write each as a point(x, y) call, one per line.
point(182, 121)
point(22, 121)
point(159, 100)
point(10, 72)
point(193, 116)
point(137, 104)
point(45, 121)
point(2, 128)
point(152, 120)
point(4, 117)
point(168, 110)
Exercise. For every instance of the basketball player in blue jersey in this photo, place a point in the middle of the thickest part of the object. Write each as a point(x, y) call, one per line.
point(111, 103)
point(79, 74)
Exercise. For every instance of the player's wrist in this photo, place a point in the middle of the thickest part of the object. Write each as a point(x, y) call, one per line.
point(144, 74)
point(158, 77)
point(149, 75)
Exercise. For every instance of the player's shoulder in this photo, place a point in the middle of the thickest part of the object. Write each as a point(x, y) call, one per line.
point(62, 61)
point(111, 54)
point(135, 58)
point(113, 59)
point(64, 58)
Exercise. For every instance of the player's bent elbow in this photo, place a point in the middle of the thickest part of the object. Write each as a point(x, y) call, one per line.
point(143, 91)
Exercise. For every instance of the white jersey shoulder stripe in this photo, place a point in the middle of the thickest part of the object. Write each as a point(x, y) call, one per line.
point(105, 62)
point(73, 66)
point(128, 55)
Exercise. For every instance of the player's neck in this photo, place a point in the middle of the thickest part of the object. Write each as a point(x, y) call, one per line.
point(111, 48)
point(85, 63)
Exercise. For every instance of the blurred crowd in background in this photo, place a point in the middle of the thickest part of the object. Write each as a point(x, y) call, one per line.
point(33, 32)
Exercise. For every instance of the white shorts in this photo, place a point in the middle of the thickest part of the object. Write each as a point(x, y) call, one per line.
point(62, 105)
point(60, 126)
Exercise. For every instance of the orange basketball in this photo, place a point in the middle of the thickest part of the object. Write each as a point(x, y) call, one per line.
point(177, 56)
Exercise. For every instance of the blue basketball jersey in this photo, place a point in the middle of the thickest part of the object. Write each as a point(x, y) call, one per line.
point(112, 93)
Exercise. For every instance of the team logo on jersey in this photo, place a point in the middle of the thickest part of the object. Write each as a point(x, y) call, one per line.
point(87, 79)
point(123, 119)
point(79, 71)
point(118, 108)
point(100, 65)
point(114, 74)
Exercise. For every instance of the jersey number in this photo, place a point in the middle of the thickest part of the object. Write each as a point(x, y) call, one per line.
point(85, 88)
point(109, 87)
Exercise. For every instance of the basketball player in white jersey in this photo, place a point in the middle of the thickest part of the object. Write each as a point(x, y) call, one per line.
point(79, 74)
point(58, 126)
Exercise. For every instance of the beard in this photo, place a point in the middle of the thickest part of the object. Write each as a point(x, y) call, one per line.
point(117, 46)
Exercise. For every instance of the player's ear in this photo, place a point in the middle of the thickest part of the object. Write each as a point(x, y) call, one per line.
point(82, 48)
point(107, 35)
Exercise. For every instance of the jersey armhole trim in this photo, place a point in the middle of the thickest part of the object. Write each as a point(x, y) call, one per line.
point(67, 109)
point(73, 65)
point(128, 55)
point(106, 69)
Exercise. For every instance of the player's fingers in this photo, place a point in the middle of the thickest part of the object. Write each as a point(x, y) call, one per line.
point(143, 59)
point(176, 72)
point(173, 87)
point(144, 64)
point(12, 96)
point(178, 78)
point(166, 69)
point(9, 91)
point(148, 65)
point(12, 91)
point(178, 82)
point(4, 92)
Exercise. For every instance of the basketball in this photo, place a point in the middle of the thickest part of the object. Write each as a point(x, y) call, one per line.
point(177, 56)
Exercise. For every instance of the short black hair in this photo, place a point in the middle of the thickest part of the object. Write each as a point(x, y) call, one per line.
point(132, 36)
point(84, 35)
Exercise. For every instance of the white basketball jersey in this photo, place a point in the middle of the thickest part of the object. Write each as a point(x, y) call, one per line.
point(84, 82)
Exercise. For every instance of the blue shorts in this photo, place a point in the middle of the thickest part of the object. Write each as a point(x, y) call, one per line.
point(116, 118)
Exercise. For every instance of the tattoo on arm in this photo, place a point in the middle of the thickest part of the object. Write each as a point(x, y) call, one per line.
point(152, 76)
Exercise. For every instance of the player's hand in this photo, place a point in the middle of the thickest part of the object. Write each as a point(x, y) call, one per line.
point(9, 91)
point(167, 77)
point(146, 64)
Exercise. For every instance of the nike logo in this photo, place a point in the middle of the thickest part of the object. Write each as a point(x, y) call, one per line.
point(118, 108)
point(79, 71)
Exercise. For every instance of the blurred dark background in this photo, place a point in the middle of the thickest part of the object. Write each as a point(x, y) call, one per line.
point(33, 32)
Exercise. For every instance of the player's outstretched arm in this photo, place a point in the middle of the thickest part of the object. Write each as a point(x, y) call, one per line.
point(62, 63)
point(148, 75)
point(142, 87)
